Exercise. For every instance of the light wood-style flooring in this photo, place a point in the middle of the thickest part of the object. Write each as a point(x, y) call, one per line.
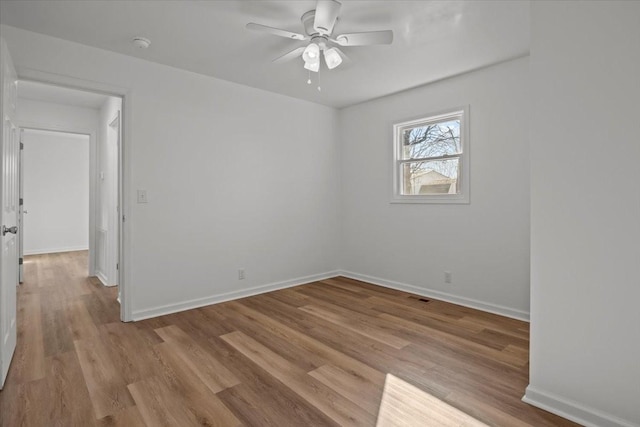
point(312, 355)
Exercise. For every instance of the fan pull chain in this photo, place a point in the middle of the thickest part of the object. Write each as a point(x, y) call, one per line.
point(309, 80)
point(319, 88)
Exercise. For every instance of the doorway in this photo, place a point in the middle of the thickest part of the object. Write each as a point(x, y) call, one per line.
point(55, 192)
point(71, 143)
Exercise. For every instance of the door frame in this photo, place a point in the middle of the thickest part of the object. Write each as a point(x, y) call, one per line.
point(91, 133)
point(124, 171)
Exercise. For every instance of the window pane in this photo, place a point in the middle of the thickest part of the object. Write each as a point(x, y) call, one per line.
point(433, 140)
point(433, 177)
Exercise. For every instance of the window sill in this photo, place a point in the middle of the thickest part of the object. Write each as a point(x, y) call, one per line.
point(433, 200)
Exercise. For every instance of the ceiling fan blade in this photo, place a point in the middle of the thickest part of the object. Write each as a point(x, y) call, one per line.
point(276, 31)
point(290, 55)
point(343, 55)
point(365, 39)
point(326, 15)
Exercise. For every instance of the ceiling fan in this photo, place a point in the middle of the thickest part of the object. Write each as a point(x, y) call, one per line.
point(318, 27)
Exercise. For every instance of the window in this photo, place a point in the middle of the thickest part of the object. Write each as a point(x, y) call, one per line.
point(431, 159)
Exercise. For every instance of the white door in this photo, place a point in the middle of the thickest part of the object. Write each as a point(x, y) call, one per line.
point(9, 181)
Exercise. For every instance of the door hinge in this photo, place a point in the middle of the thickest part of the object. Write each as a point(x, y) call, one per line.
point(20, 261)
point(117, 266)
point(21, 201)
point(22, 145)
point(123, 218)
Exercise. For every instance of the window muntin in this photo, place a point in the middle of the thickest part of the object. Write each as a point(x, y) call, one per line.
point(431, 157)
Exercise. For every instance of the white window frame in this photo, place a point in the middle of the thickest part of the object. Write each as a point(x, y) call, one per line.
point(463, 182)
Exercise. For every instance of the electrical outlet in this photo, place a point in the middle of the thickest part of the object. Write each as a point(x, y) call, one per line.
point(447, 277)
point(241, 274)
point(142, 196)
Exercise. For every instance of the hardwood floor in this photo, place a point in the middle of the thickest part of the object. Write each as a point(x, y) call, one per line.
point(313, 355)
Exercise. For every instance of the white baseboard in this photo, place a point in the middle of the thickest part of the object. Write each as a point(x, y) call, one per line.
point(55, 250)
point(228, 296)
point(103, 279)
point(443, 296)
point(214, 299)
point(573, 411)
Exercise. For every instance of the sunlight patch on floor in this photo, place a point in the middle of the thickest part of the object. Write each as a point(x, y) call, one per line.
point(406, 405)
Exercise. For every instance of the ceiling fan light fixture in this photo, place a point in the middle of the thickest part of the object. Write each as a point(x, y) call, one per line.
point(332, 58)
point(312, 65)
point(318, 26)
point(311, 53)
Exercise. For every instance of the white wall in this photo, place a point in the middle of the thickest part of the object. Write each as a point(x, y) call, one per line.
point(106, 193)
point(236, 177)
point(484, 244)
point(55, 116)
point(56, 192)
point(585, 211)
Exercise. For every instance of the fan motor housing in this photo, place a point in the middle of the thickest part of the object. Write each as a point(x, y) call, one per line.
point(307, 21)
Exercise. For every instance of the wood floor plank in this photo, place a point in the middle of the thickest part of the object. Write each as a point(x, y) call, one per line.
point(129, 417)
point(259, 407)
point(418, 329)
point(100, 310)
point(357, 389)
point(80, 321)
point(422, 312)
point(203, 323)
point(406, 365)
point(319, 352)
point(275, 340)
point(356, 324)
point(470, 366)
point(291, 297)
point(332, 286)
point(494, 415)
point(28, 362)
point(106, 387)
point(159, 406)
point(383, 358)
point(56, 333)
point(197, 397)
point(207, 368)
point(328, 401)
point(311, 355)
point(66, 383)
point(260, 396)
point(130, 353)
point(322, 293)
point(26, 405)
point(370, 288)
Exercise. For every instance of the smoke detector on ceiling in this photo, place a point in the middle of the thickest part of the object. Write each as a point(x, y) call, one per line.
point(141, 42)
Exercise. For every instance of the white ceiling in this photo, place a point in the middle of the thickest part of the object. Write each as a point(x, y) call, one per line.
point(60, 95)
point(433, 39)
